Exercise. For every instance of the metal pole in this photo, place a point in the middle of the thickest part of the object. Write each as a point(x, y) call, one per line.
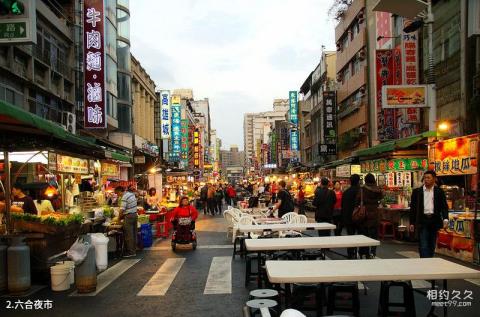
point(6, 162)
point(62, 179)
point(432, 89)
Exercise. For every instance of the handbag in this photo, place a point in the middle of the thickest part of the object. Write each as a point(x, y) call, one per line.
point(359, 214)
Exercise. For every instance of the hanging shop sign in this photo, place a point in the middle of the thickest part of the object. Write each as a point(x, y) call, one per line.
point(177, 178)
point(293, 140)
point(346, 170)
point(140, 159)
point(403, 96)
point(165, 121)
point(110, 169)
point(402, 164)
point(150, 148)
point(458, 156)
point(196, 148)
point(176, 129)
point(329, 106)
point(184, 140)
point(327, 149)
point(293, 110)
point(67, 164)
point(95, 116)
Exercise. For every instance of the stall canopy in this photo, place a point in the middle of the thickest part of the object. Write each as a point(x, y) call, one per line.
point(394, 145)
point(22, 130)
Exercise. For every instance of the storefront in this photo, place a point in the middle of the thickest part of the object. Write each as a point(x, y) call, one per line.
point(456, 163)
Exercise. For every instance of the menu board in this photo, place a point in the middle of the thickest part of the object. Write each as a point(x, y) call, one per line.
point(67, 164)
point(110, 169)
point(458, 156)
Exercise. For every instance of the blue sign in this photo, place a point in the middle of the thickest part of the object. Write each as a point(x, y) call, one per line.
point(176, 131)
point(294, 140)
point(293, 112)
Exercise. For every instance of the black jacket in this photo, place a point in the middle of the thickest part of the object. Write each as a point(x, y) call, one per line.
point(440, 208)
point(324, 201)
point(349, 203)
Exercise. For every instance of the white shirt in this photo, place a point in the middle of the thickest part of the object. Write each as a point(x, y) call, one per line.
point(427, 200)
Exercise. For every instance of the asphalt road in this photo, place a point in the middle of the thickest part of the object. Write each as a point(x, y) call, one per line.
point(204, 282)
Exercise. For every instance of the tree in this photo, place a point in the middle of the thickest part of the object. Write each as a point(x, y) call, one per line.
point(338, 8)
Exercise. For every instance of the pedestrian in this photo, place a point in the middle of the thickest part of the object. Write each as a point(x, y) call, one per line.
point(128, 212)
point(211, 203)
point(232, 195)
point(428, 214)
point(203, 198)
point(324, 201)
point(301, 200)
point(228, 200)
point(219, 199)
point(273, 192)
point(337, 209)
point(284, 202)
point(348, 205)
point(371, 195)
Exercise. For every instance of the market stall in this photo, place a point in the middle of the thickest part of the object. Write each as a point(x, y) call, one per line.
point(456, 163)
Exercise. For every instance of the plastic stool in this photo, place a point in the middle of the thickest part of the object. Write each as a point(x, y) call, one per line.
point(162, 231)
point(256, 304)
point(408, 299)
point(386, 230)
point(263, 293)
point(343, 288)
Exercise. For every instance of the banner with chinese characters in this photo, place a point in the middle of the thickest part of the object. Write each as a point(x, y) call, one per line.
point(176, 130)
point(293, 110)
point(165, 114)
point(184, 141)
point(327, 149)
point(95, 116)
point(402, 96)
point(293, 140)
point(329, 122)
point(177, 178)
point(394, 165)
point(196, 149)
point(458, 156)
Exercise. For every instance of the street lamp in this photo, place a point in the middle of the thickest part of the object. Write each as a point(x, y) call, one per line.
point(444, 126)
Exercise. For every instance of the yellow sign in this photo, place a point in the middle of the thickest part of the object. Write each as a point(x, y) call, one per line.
point(175, 99)
point(109, 169)
point(404, 96)
point(68, 164)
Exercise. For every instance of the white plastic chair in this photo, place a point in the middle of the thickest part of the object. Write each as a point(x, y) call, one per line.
point(289, 216)
point(291, 313)
point(299, 219)
point(232, 220)
point(248, 220)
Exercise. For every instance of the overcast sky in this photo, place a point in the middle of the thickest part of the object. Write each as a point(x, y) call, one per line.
point(241, 54)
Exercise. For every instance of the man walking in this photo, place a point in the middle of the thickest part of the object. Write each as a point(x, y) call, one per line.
point(284, 202)
point(428, 213)
point(128, 212)
point(324, 201)
point(203, 198)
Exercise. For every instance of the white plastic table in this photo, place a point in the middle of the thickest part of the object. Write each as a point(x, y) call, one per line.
point(286, 227)
point(286, 272)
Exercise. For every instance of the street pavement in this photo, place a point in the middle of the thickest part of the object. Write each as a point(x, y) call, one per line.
point(204, 282)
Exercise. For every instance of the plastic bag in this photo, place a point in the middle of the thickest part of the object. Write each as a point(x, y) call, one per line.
point(78, 251)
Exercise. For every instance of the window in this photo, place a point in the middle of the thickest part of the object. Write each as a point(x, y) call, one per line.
point(345, 42)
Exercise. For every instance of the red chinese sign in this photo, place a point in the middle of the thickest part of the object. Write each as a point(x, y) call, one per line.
point(384, 28)
point(94, 65)
point(410, 76)
point(385, 74)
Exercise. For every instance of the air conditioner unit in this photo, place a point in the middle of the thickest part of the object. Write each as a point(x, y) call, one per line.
point(361, 16)
point(362, 54)
point(68, 121)
point(362, 130)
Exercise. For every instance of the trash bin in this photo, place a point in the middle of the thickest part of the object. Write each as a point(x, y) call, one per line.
point(147, 236)
point(100, 242)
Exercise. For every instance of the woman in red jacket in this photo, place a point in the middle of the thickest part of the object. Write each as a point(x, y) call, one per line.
point(184, 210)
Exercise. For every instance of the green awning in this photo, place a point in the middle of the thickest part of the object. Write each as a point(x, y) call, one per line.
point(13, 115)
point(121, 157)
point(393, 145)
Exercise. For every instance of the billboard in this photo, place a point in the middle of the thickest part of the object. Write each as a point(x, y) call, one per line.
point(95, 116)
point(196, 149)
point(293, 140)
point(184, 141)
point(176, 131)
point(404, 96)
point(165, 121)
point(458, 156)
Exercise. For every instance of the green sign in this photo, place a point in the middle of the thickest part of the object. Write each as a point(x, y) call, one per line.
point(394, 165)
point(13, 30)
point(184, 140)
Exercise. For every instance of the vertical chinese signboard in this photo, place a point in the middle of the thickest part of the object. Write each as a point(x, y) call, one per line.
point(385, 76)
point(410, 76)
point(196, 149)
point(293, 107)
point(184, 141)
point(294, 140)
point(165, 115)
point(329, 105)
point(94, 65)
point(176, 129)
point(458, 156)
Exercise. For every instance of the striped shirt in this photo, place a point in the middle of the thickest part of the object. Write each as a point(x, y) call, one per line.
point(129, 203)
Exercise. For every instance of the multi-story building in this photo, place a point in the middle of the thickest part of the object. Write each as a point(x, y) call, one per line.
point(257, 128)
point(352, 70)
point(232, 158)
point(40, 78)
point(144, 100)
point(312, 112)
point(203, 107)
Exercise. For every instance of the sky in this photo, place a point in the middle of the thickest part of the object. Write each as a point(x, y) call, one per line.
point(241, 54)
